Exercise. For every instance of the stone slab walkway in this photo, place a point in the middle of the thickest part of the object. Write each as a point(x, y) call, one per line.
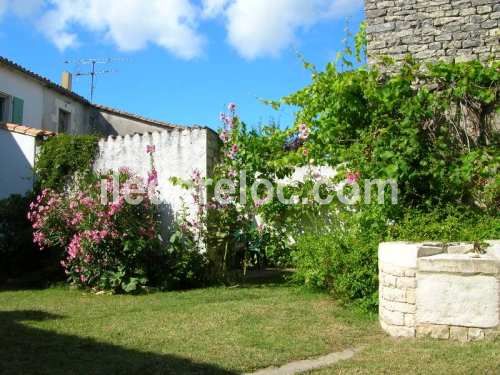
point(308, 364)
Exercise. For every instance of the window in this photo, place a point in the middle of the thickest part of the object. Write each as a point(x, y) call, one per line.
point(4, 108)
point(64, 121)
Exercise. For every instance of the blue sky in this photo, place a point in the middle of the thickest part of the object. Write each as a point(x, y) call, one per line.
point(183, 60)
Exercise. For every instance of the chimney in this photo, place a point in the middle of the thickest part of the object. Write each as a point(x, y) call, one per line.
point(67, 81)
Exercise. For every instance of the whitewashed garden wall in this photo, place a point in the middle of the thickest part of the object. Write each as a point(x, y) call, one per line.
point(178, 153)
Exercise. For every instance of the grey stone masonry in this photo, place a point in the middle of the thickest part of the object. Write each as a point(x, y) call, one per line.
point(462, 30)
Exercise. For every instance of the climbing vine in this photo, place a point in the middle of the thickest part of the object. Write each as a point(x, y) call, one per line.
point(63, 156)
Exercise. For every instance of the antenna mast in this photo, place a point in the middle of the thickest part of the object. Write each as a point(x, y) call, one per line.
point(93, 73)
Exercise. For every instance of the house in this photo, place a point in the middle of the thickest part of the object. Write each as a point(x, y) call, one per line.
point(29, 99)
point(33, 108)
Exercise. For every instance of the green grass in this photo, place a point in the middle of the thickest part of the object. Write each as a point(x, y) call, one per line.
point(210, 331)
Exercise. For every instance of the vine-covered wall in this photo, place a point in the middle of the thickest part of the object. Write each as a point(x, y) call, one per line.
point(433, 29)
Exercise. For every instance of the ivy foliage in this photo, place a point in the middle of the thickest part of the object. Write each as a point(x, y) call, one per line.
point(430, 127)
point(63, 156)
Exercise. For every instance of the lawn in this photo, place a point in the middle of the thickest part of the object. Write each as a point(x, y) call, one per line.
point(209, 331)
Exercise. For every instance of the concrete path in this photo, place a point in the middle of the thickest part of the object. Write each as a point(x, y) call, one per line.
point(308, 364)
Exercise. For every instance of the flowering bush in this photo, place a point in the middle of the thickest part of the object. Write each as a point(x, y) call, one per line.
point(107, 246)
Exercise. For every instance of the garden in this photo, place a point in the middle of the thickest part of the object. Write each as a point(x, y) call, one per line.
point(246, 281)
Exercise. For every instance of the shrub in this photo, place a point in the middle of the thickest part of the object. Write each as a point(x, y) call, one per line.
point(341, 257)
point(107, 246)
point(16, 248)
point(446, 224)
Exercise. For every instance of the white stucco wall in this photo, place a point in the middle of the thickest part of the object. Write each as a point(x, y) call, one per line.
point(15, 84)
point(53, 101)
point(17, 157)
point(178, 153)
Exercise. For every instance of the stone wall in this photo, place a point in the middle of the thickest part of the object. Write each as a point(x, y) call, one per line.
point(443, 293)
point(433, 29)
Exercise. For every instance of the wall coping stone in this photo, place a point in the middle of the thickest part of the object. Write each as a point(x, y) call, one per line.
point(460, 263)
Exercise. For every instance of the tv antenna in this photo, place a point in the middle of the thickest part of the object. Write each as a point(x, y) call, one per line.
point(93, 73)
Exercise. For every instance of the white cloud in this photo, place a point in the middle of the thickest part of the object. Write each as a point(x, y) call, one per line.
point(255, 28)
point(259, 28)
point(130, 24)
point(264, 28)
point(213, 8)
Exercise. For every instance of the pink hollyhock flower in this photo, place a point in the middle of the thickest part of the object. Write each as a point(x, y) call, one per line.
point(229, 121)
point(224, 136)
point(196, 176)
point(153, 178)
point(222, 117)
point(151, 149)
point(231, 107)
point(353, 177)
point(303, 132)
point(234, 151)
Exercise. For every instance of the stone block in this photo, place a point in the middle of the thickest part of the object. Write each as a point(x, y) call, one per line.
point(475, 334)
point(406, 308)
point(406, 282)
point(411, 296)
point(491, 334)
point(460, 263)
point(380, 28)
point(398, 331)
point(410, 320)
point(441, 332)
point(459, 334)
point(493, 249)
point(393, 294)
point(390, 281)
point(404, 254)
point(467, 12)
point(484, 9)
point(467, 301)
point(459, 248)
point(443, 37)
point(434, 46)
point(490, 24)
point(395, 318)
point(471, 43)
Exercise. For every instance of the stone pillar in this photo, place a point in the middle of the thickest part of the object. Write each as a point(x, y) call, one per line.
point(398, 283)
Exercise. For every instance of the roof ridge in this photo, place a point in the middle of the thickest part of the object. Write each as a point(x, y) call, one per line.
point(13, 65)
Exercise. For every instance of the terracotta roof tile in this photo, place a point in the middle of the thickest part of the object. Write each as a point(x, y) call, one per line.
point(21, 129)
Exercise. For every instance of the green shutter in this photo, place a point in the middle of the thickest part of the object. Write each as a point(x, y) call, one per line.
point(17, 110)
